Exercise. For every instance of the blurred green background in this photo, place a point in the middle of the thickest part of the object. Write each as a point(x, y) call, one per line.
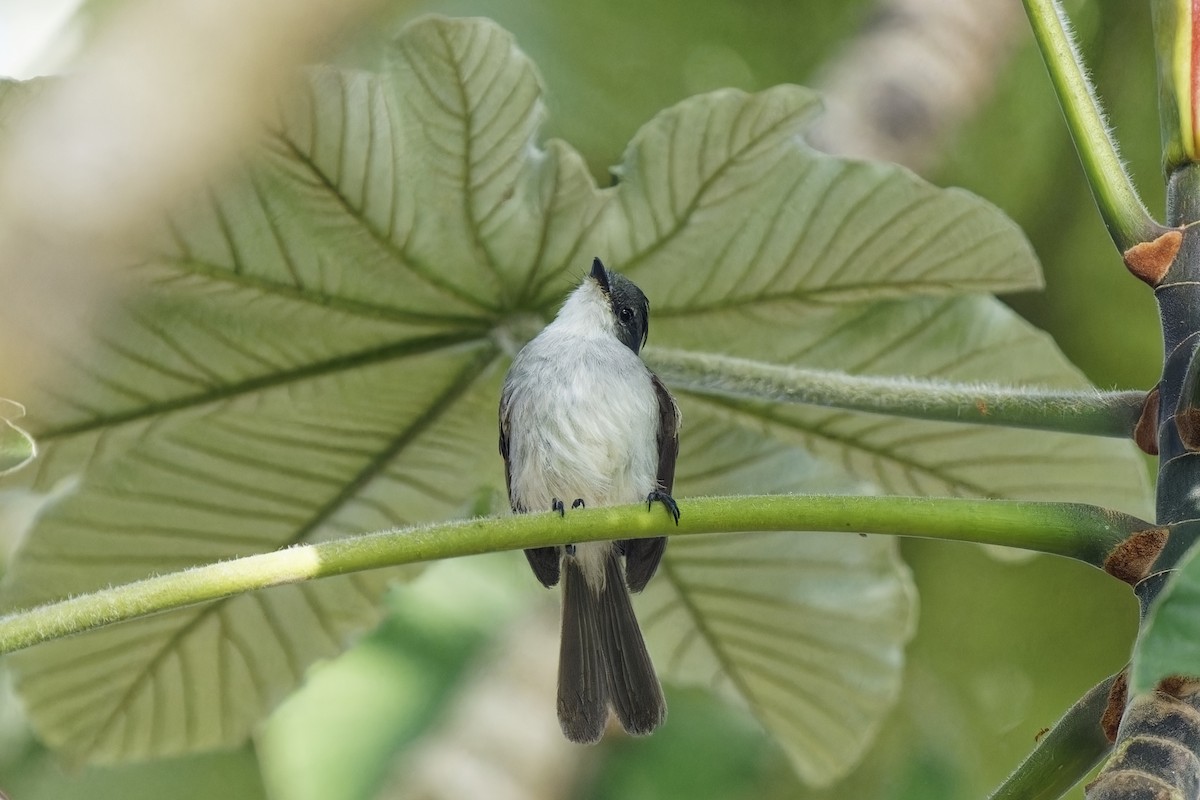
point(1004, 645)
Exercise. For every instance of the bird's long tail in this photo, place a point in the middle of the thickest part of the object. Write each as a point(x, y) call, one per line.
point(603, 659)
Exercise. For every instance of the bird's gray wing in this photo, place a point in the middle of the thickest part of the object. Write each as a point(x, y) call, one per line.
point(642, 555)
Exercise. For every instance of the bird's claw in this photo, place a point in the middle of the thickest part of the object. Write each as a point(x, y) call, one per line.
point(666, 500)
point(557, 505)
point(578, 503)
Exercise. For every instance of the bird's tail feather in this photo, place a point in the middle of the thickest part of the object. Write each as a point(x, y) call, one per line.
point(582, 685)
point(603, 659)
point(633, 688)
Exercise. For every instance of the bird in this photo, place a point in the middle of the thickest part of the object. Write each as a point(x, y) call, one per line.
point(584, 421)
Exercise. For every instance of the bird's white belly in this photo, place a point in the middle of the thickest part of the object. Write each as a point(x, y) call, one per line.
point(583, 435)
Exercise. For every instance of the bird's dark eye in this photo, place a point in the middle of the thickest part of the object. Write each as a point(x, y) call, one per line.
point(626, 314)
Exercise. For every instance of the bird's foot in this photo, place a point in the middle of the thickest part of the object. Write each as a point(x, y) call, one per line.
point(666, 500)
point(557, 505)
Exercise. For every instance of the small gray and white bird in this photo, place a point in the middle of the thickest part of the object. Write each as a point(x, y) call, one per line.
point(584, 422)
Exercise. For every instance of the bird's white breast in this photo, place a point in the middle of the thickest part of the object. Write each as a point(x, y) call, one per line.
point(584, 423)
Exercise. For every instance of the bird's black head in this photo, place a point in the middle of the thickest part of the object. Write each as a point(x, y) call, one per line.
point(630, 308)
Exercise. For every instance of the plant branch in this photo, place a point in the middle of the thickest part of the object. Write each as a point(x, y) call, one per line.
point(1086, 533)
point(1128, 221)
point(1092, 412)
point(1173, 31)
point(1066, 753)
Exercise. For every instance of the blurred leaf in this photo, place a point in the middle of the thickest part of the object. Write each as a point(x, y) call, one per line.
point(709, 750)
point(286, 374)
point(1169, 641)
point(232, 776)
point(610, 65)
point(316, 345)
point(14, 97)
point(336, 737)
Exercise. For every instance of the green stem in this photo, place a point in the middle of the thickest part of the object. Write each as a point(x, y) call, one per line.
point(1124, 214)
point(1091, 412)
point(1173, 24)
point(1065, 754)
point(1086, 533)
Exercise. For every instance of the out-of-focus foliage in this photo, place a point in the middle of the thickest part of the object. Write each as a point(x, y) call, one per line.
point(610, 66)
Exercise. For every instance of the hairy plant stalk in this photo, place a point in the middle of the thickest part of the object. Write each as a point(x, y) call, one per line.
point(1065, 753)
point(1124, 213)
point(1091, 412)
point(1087, 533)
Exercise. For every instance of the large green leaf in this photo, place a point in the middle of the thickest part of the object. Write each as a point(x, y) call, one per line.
point(806, 632)
point(315, 346)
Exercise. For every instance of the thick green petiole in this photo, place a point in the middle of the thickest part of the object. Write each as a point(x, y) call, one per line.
point(1091, 412)
point(1066, 753)
point(1086, 533)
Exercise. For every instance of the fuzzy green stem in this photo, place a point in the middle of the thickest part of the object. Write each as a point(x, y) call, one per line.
point(1124, 214)
point(1065, 754)
point(1086, 533)
point(1091, 412)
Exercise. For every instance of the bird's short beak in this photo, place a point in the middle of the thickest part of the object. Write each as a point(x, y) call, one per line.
point(600, 275)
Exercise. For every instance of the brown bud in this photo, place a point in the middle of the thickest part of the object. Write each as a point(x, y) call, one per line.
point(1151, 260)
point(1145, 433)
point(1130, 561)
point(1110, 720)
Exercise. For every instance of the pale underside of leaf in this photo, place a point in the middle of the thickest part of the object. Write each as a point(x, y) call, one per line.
point(721, 205)
point(806, 631)
point(208, 486)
